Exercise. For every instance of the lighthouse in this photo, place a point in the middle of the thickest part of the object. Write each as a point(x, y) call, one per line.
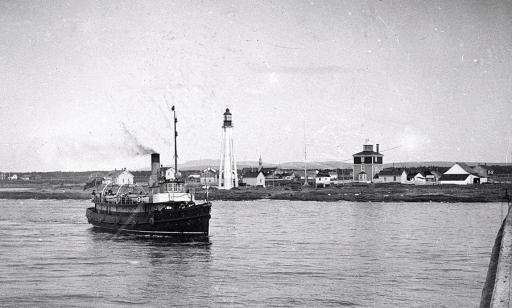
point(228, 177)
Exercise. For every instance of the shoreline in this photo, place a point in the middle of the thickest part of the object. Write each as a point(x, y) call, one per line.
point(352, 193)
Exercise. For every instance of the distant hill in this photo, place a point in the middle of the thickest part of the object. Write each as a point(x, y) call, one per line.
point(437, 164)
point(202, 164)
point(316, 165)
point(214, 163)
point(419, 164)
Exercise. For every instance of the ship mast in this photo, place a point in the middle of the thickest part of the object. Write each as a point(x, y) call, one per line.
point(175, 144)
point(305, 157)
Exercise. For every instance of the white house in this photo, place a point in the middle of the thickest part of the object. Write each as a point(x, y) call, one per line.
point(322, 179)
point(13, 177)
point(253, 178)
point(119, 177)
point(289, 176)
point(419, 178)
point(461, 174)
point(391, 176)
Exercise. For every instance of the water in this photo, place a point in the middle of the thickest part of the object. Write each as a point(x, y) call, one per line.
point(261, 253)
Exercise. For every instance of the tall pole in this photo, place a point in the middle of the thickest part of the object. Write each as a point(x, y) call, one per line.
point(175, 144)
point(305, 157)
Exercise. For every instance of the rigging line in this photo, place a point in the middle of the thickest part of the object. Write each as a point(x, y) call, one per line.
point(391, 148)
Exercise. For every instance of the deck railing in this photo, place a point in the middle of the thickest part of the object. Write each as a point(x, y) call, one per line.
point(123, 200)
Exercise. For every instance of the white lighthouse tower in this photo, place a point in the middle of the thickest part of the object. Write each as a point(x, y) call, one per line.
point(228, 177)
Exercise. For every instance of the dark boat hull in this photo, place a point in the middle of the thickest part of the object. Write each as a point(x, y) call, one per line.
point(188, 222)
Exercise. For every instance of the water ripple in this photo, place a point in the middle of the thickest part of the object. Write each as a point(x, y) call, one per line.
point(260, 253)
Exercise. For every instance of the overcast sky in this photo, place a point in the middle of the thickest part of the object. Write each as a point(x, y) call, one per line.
point(88, 85)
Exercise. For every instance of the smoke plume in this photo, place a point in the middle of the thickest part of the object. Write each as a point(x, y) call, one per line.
point(135, 146)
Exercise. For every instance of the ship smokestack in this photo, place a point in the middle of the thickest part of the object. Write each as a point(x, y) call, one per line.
point(155, 162)
point(155, 167)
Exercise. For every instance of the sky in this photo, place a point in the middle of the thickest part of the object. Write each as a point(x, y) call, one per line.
point(88, 85)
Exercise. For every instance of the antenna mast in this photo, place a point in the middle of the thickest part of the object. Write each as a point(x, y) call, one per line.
point(175, 144)
point(305, 157)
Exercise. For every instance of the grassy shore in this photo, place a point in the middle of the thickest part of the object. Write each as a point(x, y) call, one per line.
point(43, 191)
point(373, 193)
point(356, 193)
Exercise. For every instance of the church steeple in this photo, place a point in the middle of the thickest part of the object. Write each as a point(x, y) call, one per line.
point(260, 164)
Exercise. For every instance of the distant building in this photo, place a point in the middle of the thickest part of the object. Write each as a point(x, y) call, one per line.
point(495, 173)
point(269, 173)
point(3, 176)
point(13, 177)
point(289, 175)
point(119, 177)
point(209, 177)
point(333, 175)
point(345, 175)
point(367, 164)
point(419, 178)
point(433, 176)
point(253, 177)
point(391, 175)
point(323, 178)
point(310, 174)
point(427, 177)
point(194, 178)
point(461, 174)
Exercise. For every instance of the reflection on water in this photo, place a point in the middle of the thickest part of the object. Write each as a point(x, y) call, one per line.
point(258, 254)
point(143, 270)
point(150, 240)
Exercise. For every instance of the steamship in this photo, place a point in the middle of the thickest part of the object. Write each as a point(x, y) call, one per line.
point(165, 208)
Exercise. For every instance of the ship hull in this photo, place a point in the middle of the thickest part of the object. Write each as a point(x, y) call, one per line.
point(189, 222)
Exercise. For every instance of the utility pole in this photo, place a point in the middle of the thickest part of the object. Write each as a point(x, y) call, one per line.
point(175, 144)
point(305, 157)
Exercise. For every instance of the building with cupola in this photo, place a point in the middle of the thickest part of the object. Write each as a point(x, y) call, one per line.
point(367, 164)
